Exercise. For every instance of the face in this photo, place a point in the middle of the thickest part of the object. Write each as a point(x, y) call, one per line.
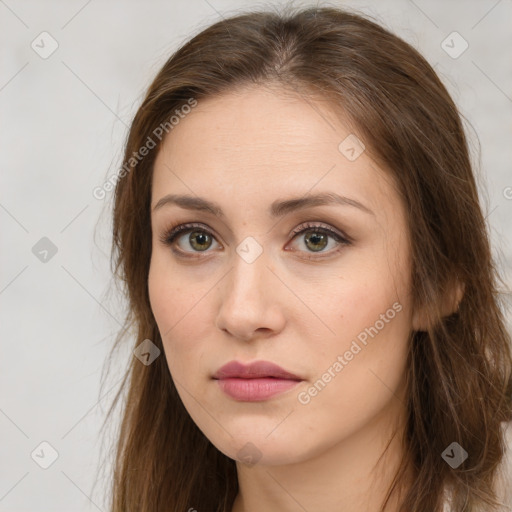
point(319, 289)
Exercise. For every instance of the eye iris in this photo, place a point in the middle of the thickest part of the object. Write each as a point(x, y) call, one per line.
point(202, 238)
point(316, 238)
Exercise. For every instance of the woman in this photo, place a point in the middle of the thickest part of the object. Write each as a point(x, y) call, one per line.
point(299, 231)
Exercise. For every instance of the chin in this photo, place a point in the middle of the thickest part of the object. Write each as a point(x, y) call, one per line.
point(260, 449)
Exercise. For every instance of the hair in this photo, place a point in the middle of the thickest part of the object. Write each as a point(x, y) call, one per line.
point(459, 367)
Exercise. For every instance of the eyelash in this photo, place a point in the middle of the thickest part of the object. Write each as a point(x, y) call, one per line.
point(169, 237)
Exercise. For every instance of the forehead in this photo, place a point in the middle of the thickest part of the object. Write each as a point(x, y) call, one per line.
point(253, 120)
point(260, 144)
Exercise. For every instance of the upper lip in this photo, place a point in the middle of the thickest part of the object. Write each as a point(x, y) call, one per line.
point(255, 370)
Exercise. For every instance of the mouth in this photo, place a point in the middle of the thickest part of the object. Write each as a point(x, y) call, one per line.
point(255, 382)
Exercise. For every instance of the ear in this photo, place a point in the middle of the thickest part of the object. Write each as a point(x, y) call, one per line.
point(450, 304)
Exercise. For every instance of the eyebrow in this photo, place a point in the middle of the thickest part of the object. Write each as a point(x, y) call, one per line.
point(278, 208)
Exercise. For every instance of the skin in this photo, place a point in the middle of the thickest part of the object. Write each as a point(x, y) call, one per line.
point(245, 150)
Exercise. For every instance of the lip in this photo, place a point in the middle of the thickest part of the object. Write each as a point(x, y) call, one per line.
point(254, 382)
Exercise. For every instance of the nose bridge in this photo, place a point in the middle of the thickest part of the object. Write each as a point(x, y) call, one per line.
point(250, 273)
point(248, 302)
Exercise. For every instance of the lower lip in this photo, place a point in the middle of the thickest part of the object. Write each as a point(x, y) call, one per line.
point(255, 390)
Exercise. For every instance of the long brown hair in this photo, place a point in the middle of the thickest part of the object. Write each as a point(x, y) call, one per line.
point(460, 365)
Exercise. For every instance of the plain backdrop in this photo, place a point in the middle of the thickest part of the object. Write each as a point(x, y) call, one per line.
point(63, 119)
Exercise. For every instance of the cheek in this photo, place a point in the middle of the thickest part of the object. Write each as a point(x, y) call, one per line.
point(355, 381)
point(178, 308)
point(173, 300)
point(368, 311)
point(356, 299)
point(162, 296)
point(372, 328)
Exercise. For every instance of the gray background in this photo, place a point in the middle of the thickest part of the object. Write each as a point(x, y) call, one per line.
point(63, 123)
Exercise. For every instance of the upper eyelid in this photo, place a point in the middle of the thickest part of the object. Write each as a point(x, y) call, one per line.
point(319, 225)
point(303, 225)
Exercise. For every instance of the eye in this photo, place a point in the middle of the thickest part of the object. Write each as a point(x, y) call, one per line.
point(200, 239)
point(316, 238)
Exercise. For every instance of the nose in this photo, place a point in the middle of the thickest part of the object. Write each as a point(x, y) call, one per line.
point(251, 300)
